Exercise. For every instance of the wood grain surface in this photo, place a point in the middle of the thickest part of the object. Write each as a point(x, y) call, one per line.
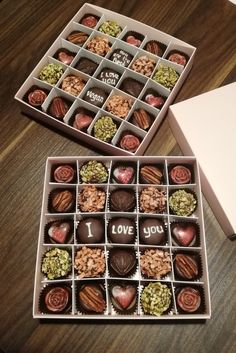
point(28, 27)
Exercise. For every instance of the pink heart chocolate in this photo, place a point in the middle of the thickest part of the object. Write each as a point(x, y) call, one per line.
point(59, 231)
point(184, 234)
point(123, 175)
point(124, 295)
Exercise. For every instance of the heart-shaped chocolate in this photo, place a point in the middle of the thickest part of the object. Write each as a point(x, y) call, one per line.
point(59, 231)
point(122, 261)
point(65, 58)
point(123, 174)
point(184, 234)
point(123, 296)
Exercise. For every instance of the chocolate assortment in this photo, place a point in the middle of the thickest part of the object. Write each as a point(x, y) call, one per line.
point(123, 71)
point(110, 245)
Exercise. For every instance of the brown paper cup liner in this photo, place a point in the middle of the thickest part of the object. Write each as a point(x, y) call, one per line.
point(133, 270)
point(154, 276)
point(196, 240)
point(93, 181)
point(127, 132)
point(134, 34)
point(89, 14)
point(131, 209)
point(79, 306)
point(69, 237)
point(197, 257)
point(42, 305)
point(134, 308)
point(61, 277)
point(154, 93)
point(167, 311)
point(51, 209)
point(188, 191)
point(93, 239)
point(202, 307)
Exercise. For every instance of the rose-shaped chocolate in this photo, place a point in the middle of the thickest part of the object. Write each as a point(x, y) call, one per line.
point(129, 142)
point(64, 174)
point(56, 299)
point(36, 97)
point(180, 175)
point(189, 299)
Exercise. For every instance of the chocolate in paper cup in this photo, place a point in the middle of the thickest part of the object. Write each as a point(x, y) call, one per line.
point(134, 34)
point(86, 194)
point(149, 180)
point(124, 166)
point(118, 232)
point(189, 269)
point(90, 297)
point(147, 266)
point(159, 209)
point(176, 209)
point(149, 295)
point(36, 103)
point(177, 52)
point(187, 233)
point(69, 206)
point(66, 234)
point(188, 166)
point(57, 269)
point(86, 263)
point(122, 262)
point(193, 292)
point(123, 299)
point(87, 117)
point(56, 299)
point(149, 233)
point(161, 50)
point(65, 175)
point(67, 52)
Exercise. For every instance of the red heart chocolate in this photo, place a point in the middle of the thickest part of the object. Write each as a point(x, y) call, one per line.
point(123, 174)
point(184, 234)
point(59, 231)
point(124, 297)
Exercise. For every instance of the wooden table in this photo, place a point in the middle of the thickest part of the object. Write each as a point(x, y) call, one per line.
point(27, 30)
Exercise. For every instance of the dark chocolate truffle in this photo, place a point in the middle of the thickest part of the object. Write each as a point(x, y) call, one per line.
point(121, 230)
point(122, 200)
point(180, 174)
point(55, 299)
point(152, 231)
point(61, 201)
point(121, 57)
point(189, 299)
point(155, 47)
point(90, 231)
point(60, 231)
point(64, 173)
point(122, 262)
point(58, 108)
point(109, 76)
point(89, 20)
point(131, 86)
point(133, 38)
point(36, 97)
point(186, 266)
point(123, 173)
point(86, 65)
point(64, 55)
point(91, 298)
point(124, 297)
point(129, 142)
point(150, 174)
point(96, 96)
point(184, 233)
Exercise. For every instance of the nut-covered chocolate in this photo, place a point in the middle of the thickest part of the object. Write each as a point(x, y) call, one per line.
point(51, 73)
point(122, 262)
point(90, 262)
point(91, 199)
point(152, 231)
point(121, 230)
point(155, 263)
point(183, 202)
point(166, 76)
point(58, 108)
point(73, 84)
point(105, 128)
point(119, 105)
point(56, 263)
point(99, 45)
point(91, 298)
point(144, 65)
point(156, 298)
point(93, 172)
point(152, 200)
point(112, 28)
point(122, 200)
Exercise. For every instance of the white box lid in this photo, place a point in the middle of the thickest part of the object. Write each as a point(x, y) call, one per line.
point(205, 126)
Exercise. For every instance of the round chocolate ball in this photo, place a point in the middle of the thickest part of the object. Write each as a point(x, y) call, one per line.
point(122, 200)
point(121, 230)
point(152, 231)
point(90, 231)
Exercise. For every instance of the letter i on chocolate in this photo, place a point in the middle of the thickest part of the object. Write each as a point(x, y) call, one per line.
point(90, 235)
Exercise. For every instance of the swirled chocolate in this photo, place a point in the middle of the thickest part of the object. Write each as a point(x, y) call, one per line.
point(129, 142)
point(189, 299)
point(36, 97)
point(57, 299)
point(180, 175)
point(64, 174)
point(61, 200)
point(186, 266)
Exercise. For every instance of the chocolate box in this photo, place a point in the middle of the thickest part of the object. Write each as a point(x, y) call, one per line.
point(71, 179)
point(212, 141)
point(148, 85)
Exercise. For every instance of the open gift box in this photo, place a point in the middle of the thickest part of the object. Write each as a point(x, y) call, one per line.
point(205, 126)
